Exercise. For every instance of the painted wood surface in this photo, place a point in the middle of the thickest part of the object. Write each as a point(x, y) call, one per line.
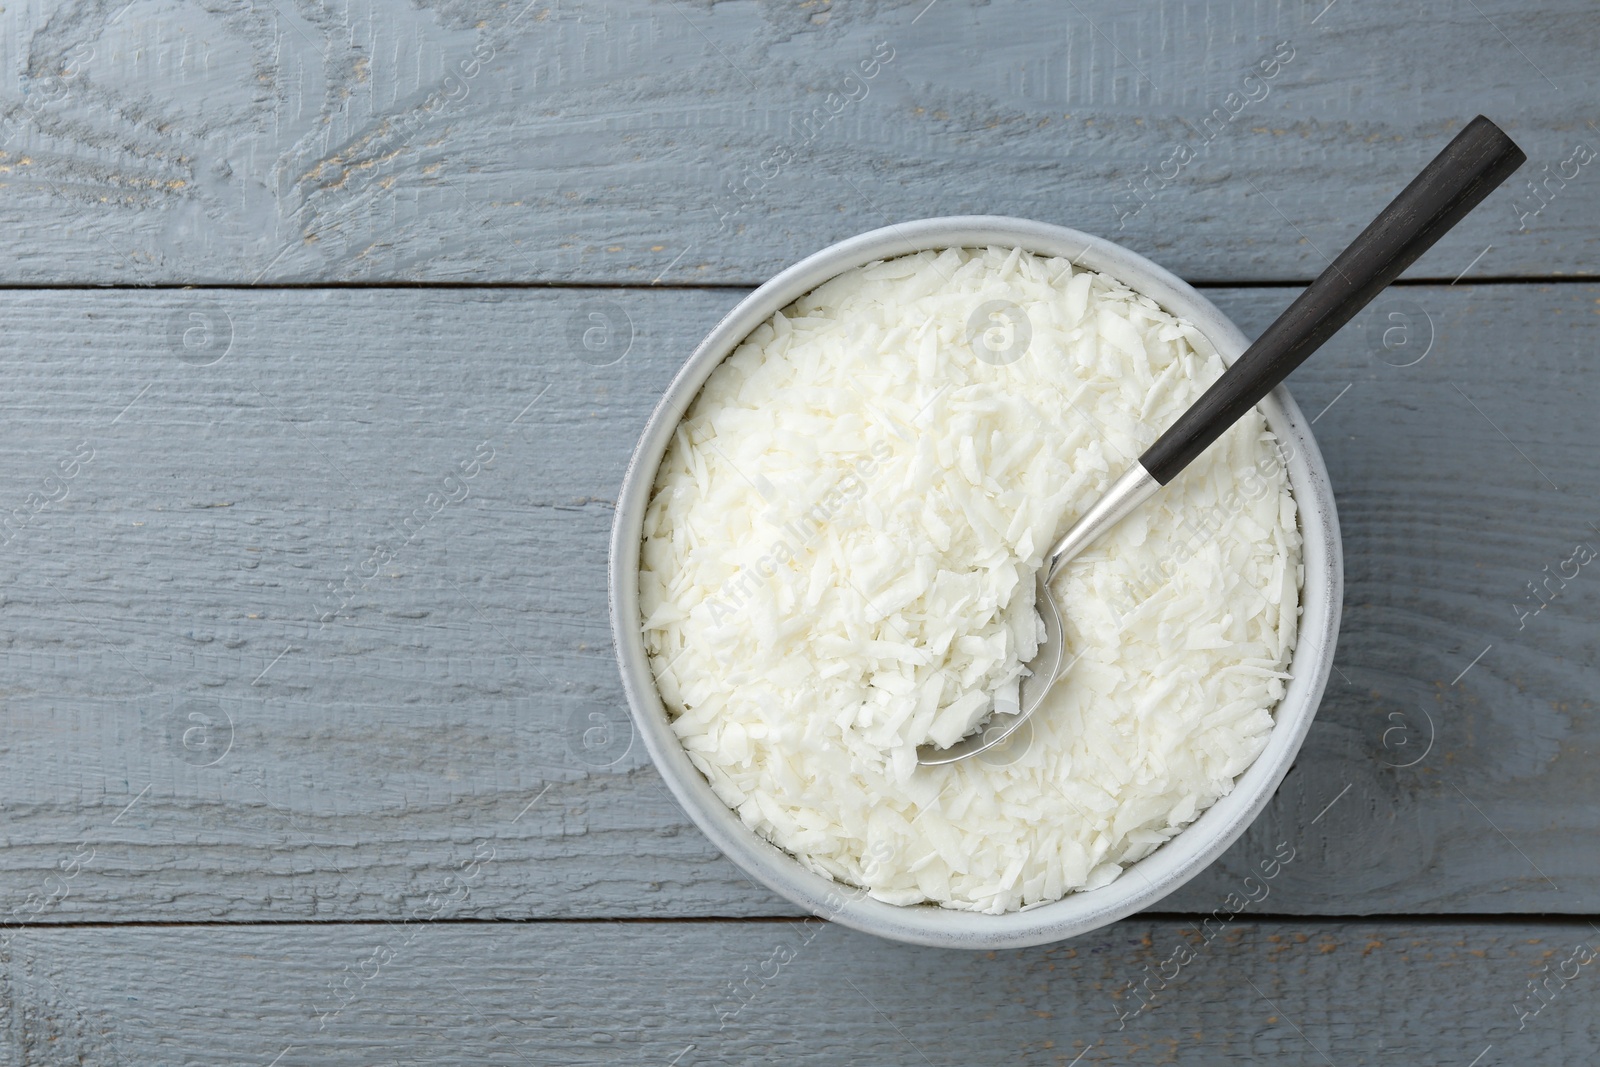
point(157, 141)
point(304, 605)
point(1347, 993)
point(314, 751)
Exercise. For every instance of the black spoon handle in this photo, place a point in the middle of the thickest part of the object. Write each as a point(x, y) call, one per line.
point(1469, 169)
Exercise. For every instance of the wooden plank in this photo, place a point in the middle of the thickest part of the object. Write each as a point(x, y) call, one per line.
point(174, 705)
point(701, 993)
point(591, 141)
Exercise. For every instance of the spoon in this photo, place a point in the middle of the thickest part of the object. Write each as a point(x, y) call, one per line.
point(1456, 181)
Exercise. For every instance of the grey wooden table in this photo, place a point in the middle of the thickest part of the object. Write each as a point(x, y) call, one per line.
point(327, 331)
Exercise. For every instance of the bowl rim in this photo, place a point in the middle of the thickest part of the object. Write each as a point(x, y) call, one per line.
point(1140, 884)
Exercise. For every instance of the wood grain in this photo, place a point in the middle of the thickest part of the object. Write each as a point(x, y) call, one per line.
point(305, 673)
point(175, 707)
point(681, 142)
point(1348, 993)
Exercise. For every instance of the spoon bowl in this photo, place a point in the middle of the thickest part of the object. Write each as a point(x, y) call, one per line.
point(1043, 671)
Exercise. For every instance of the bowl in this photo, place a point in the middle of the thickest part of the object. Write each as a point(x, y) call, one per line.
point(1174, 862)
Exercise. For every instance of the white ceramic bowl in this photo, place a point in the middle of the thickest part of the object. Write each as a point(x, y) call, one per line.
point(1169, 866)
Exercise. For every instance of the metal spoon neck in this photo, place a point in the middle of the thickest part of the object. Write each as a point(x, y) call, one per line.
point(1134, 487)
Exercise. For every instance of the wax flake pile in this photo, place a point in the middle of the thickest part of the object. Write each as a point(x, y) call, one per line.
point(839, 563)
